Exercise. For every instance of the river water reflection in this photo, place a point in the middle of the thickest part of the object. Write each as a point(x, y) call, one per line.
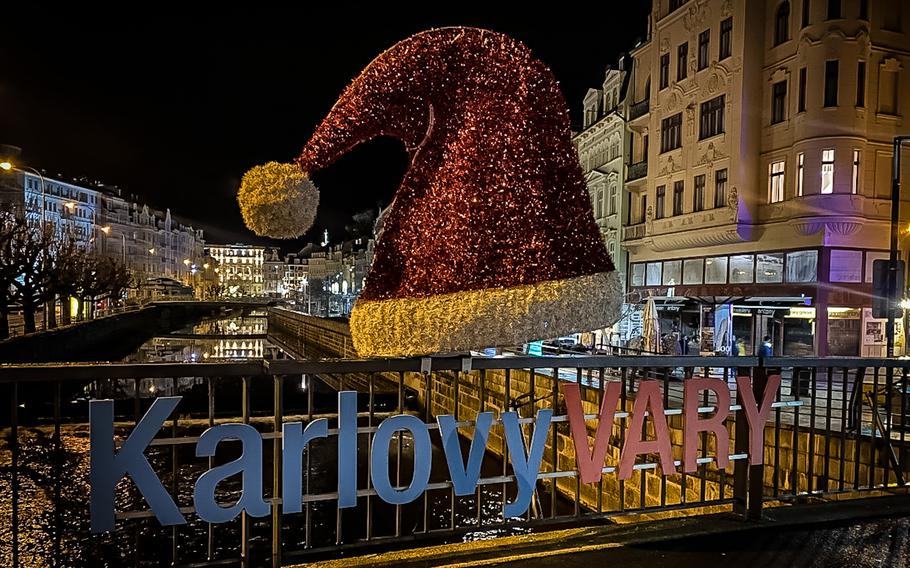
point(60, 535)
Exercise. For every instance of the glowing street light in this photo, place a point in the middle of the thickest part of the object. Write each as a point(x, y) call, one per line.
point(106, 229)
point(6, 166)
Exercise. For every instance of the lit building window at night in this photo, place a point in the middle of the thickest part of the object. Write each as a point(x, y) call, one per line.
point(776, 182)
point(827, 171)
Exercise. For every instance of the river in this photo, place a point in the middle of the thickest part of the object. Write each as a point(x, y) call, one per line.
point(237, 336)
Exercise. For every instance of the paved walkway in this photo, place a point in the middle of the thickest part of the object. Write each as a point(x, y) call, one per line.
point(859, 534)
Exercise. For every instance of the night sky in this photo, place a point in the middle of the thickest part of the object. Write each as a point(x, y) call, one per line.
point(175, 105)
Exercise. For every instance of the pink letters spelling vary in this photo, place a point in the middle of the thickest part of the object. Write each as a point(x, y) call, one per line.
point(590, 463)
point(714, 424)
point(647, 400)
point(755, 415)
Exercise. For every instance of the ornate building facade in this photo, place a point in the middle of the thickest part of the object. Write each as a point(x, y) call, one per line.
point(765, 130)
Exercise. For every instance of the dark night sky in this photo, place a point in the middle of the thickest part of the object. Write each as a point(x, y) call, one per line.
point(174, 105)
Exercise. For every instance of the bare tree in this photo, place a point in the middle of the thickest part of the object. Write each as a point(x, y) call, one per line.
point(29, 250)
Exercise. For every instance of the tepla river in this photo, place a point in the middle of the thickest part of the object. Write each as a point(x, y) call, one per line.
point(60, 535)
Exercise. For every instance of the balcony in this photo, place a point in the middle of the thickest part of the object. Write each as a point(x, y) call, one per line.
point(639, 109)
point(633, 232)
point(637, 171)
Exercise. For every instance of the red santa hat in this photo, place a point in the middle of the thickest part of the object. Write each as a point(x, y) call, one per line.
point(490, 239)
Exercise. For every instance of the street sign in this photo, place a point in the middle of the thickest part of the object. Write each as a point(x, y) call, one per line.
point(880, 288)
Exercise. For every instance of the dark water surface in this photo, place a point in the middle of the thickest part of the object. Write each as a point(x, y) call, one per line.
point(60, 535)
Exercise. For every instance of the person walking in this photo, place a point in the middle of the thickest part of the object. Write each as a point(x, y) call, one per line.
point(766, 349)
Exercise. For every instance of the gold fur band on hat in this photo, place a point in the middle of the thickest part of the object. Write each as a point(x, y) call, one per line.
point(493, 317)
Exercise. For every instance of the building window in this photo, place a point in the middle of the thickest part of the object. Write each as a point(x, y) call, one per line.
point(801, 104)
point(831, 71)
point(725, 48)
point(782, 23)
point(742, 269)
point(698, 197)
point(674, 4)
point(891, 18)
point(661, 201)
point(704, 40)
point(720, 188)
point(653, 274)
point(855, 186)
point(716, 270)
point(644, 209)
point(769, 268)
point(776, 182)
point(638, 274)
point(802, 266)
point(887, 87)
point(827, 171)
point(712, 118)
point(671, 133)
point(613, 196)
point(864, 10)
point(678, 187)
point(599, 208)
point(861, 84)
point(846, 266)
point(806, 13)
point(834, 9)
point(682, 54)
point(693, 271)
point(779, 102)
point(800, 162)
point(664, 70)
point(672, 273)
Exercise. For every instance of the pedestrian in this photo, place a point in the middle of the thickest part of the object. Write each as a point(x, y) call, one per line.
point(734, 347)
point(766, 349)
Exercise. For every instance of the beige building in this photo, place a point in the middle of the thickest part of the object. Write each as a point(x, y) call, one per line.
point(765, 130)
point(240, 269)
point(600, 146)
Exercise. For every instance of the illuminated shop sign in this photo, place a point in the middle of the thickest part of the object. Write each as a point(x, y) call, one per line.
point(109, 464)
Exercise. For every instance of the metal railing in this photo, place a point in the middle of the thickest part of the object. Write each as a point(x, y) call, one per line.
point(836, 425)
point(638, 170)
point(639, 109)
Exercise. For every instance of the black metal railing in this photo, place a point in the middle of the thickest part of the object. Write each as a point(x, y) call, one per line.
point(639, 109)
point(637, 170)
point(836, 425)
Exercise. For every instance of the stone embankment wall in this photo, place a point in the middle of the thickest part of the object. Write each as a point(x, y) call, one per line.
point(479, 391)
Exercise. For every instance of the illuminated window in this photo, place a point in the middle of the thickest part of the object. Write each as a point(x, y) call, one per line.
point(855, 186)
point(693, 271)
point(776, 182)
point(800, 161)
point(827, 171)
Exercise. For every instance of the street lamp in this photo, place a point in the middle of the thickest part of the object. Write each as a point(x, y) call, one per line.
point(8, 166)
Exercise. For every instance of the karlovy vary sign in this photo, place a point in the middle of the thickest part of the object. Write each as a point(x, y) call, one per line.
point(108, 465)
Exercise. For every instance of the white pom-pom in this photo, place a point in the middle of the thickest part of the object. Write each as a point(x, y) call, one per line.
point(278, 200)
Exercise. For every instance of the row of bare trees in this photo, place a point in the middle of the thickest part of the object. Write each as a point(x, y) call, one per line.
point(40, 267)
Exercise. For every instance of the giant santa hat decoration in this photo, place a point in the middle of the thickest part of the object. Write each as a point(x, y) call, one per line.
point(490, 239)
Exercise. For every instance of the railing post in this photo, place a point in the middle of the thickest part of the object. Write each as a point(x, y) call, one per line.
point(748, 480)
point(757, 472)
point(276, 470)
